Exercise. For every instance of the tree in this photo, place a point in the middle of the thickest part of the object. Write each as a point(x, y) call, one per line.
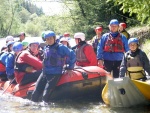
point(138, 7)
point(89, 14)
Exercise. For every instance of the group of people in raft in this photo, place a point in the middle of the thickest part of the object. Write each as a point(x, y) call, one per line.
point(24, 62)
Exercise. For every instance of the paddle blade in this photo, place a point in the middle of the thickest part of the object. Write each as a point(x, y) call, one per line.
point(105, 94)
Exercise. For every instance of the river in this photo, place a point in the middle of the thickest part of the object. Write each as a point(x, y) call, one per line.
point(11, 104)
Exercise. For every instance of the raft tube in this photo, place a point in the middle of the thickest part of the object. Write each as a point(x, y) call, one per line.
point(86, 81)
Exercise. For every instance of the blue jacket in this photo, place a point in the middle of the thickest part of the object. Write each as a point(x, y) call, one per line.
point(111, 56)
point(64, 52)
point(10, 62)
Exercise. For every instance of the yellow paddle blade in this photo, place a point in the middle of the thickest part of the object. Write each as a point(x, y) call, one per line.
point(105, 94)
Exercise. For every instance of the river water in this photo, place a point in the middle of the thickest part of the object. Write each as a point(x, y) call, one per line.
point(11, 104)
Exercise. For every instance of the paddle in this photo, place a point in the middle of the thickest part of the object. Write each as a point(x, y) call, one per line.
point(105, 90)
point(8, 86)
point(14, 92)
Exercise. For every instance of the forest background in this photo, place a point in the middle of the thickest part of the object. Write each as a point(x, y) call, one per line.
point(77, 15)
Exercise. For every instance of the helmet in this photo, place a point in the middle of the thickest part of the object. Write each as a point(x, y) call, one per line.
point(123, 25)
point(17, 46)
point(49, 34)
point(133, 40)
point(98, 29)
point(25, 43)
point(9, 38)
point(66, 35)
point(114, 22)
point(64, 39)
point(34, 42)
point(10, 42)
point(80, 35)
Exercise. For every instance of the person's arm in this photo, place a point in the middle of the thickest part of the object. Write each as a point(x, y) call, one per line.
point(10, 65)
point(125, 42)
point(90, 55)
point(32, 61)
point(65, 51)
point(100, 51)
point(146, 63)
point(123, 67)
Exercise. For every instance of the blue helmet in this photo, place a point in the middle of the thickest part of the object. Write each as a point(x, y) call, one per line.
point(17, 46)
point(114, 22)
point(10, 43)
point(49, 34)
point(133, 40)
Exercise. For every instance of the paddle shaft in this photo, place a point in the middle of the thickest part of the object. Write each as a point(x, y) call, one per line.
point(8, 86)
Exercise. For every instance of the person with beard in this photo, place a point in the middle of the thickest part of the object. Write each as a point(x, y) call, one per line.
point(85, 55)
point(135, 62)
point(111, 49)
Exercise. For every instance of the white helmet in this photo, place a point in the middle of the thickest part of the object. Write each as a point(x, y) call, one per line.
point(9, 38)
point(80, 35)
point(64, 39)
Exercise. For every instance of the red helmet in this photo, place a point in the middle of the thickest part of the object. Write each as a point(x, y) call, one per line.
point(98, 29)
point(66, 34)
point(123, 25)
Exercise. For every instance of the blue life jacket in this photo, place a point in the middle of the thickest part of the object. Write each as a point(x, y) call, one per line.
point(52, 58)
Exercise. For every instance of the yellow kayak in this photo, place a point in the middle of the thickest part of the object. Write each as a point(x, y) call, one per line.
point(124, 92)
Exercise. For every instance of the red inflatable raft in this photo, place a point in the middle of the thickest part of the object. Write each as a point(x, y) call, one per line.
point(84, 82)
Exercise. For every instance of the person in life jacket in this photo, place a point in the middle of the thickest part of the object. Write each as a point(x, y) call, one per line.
point(135, 62)
point(3, 57)
point(85, 54)
point(111, 48)
point(36, 51)
point(54, 60)
point(28, 64)
point(10, 61)
point(122, 29)
point(95, 40)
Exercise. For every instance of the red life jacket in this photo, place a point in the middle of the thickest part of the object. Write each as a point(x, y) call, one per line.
point(114, 44)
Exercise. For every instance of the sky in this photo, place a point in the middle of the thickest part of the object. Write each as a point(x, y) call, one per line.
point(50, 8)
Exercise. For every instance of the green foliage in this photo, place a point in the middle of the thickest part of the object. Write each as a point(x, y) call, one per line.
point(138, 7)
point(80, 16)
point(89, 14)
point(24, 15)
